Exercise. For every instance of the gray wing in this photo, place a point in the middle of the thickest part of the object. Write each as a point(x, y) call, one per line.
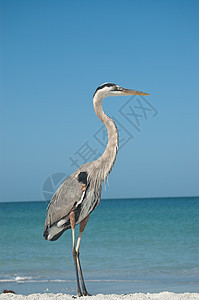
point(70, 193)
point(81, 192)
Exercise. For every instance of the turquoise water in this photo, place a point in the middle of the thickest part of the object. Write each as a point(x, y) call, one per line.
point(129, 245)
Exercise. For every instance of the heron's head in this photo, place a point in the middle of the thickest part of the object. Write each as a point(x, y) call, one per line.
point(111, 89)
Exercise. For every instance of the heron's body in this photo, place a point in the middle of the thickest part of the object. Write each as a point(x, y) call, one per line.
point(75, 192)
point(80, 193)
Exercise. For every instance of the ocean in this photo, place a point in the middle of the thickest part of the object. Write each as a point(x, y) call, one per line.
point(129, 245)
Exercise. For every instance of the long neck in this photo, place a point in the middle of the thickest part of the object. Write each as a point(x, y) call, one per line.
point(107, 160)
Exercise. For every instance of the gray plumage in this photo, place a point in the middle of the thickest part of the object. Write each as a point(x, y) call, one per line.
point(80, 193)
point(69, 195)
point(70, 191)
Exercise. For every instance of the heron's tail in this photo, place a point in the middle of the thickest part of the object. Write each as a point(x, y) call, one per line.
point(53, 232)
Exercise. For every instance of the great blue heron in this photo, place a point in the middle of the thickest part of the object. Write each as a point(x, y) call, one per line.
point(80, 193)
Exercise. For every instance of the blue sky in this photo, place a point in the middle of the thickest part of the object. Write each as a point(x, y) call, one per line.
point(55, 54)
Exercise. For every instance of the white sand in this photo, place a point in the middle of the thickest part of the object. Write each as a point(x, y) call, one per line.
point(137, 296)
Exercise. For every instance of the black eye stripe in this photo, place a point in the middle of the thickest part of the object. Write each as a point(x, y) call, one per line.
point(104, 85)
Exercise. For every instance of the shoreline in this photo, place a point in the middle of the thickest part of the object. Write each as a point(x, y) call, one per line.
point(136, 296)
point(62, 288)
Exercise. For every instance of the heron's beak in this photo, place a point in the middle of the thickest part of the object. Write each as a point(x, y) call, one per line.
point(133, 92)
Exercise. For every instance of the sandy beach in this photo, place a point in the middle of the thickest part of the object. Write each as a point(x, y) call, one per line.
point(136, 296)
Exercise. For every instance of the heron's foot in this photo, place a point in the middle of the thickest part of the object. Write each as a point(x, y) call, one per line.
point(79, 294)
point(86, 293)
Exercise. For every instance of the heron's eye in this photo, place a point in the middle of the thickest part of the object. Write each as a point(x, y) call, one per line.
point(118, 88)
point(115, 88)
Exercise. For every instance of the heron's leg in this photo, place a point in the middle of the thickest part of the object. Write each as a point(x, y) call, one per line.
point(81, 229)
point(72, 222)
